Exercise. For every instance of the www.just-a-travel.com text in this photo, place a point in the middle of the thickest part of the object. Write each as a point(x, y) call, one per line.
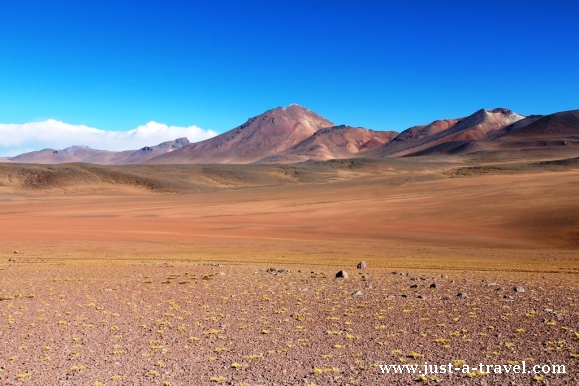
point(453, 368)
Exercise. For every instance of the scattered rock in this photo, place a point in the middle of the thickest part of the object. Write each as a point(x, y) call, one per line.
point(444, 276)
point(461, 295)
point(421, 297)
point(414, 286)
point(363, 278)
point(357, 293)
point(342, 275)
point(548, 310)
point(519, 289)
point(271, 270)
point(16, 252)
point(404, 295)
point(434, 285)
point(492, 284)
point(362, 265)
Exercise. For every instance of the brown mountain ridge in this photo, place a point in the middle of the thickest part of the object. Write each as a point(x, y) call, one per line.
point(295, 134)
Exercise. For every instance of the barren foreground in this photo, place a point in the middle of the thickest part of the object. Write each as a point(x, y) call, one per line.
point(144, 276)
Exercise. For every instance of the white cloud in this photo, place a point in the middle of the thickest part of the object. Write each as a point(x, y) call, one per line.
point(21, 138)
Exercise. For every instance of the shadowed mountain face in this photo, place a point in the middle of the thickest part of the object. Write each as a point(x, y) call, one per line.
point(335, 142)
point(561, 124)
point(268, 134)
point(103, 157)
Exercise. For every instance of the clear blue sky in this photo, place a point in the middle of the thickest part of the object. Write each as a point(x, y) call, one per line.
point(383, 65)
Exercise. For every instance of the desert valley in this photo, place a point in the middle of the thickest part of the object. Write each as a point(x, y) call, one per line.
point(215, 262)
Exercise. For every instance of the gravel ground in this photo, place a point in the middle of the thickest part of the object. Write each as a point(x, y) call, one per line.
point(129, 323)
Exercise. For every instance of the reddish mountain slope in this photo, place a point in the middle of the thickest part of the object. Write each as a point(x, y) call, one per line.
point(268, 134)
point(334, 143)
point(476, 127)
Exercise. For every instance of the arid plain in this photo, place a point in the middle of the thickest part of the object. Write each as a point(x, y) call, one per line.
point(161, 274)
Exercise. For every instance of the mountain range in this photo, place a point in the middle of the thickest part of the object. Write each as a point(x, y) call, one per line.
point(295, 134)
point(103, 157)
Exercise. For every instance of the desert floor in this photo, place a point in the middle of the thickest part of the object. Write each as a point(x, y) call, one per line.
point(163, 275)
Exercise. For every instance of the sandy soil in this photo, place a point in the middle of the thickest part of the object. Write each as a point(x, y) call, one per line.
point(115, 284)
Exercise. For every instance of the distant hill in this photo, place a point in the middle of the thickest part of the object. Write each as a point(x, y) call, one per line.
point(103, 157)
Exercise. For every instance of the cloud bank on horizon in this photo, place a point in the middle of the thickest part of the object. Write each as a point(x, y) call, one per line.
point(16, 139)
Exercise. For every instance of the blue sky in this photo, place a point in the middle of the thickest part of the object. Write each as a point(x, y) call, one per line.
point(385, 65)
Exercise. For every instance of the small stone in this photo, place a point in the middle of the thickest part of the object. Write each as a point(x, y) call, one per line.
point(548, 310)
point(444, 276)
point(362, 265)
point(414, 286)
point(434, 285)
point(342, 275)
point(519, 289)
point(461, 295)
point(16, 252)
point(357, 293)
